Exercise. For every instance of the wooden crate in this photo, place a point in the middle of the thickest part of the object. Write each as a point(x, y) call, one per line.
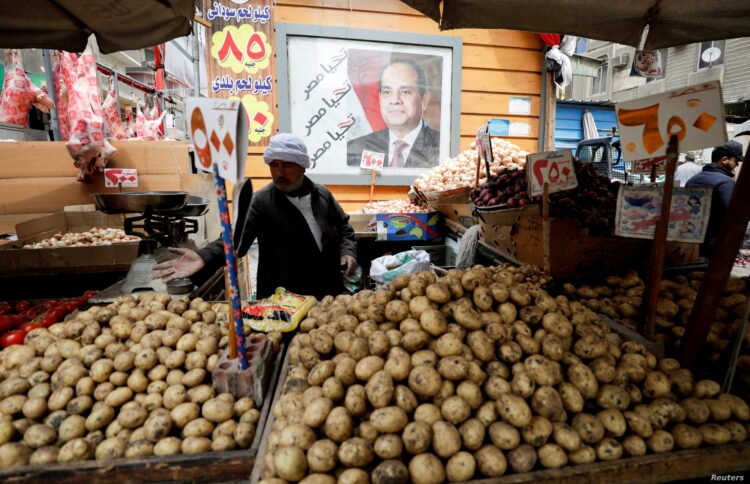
point(229, 466)
point(653, 468)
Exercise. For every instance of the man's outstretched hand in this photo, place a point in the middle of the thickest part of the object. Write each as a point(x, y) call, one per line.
point(184, 266)
point(348, 264)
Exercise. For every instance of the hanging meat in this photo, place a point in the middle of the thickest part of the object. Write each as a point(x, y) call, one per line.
point(112, 113)
point(87, 138)
point(147, 128)
point(62, 75)
point(19, 94)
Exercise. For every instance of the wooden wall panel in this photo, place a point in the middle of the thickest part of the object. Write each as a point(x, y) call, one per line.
point(497, 64)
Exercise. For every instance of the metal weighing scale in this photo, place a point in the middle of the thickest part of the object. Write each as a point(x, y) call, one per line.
point(161, 223)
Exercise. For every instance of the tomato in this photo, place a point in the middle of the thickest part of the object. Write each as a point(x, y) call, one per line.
point(58, 312)
point(15, 320)
point(5, 310)
point(12, 338)
point(48, 321)
point(89, 294)
point(78, 301)
point(51, 304)
point(22, 306)
point(69, 307)
point(28, 315)
point(26, 327)
point(6, 324)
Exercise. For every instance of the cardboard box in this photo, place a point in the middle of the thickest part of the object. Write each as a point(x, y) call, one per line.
point(407, 226)
point(572, 250)
point(14, 258)
point(361, 221)
point(507, 216)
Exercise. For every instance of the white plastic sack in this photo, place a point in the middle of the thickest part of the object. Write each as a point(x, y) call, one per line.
point(385, 269)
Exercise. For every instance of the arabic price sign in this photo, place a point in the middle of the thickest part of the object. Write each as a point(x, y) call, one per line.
point(694, 114)
point(218, 128)
point(644, 166)
point(120, 177)
point(484, 145)
point(241, 65)
point(639, 209)
point(552, 167)
point(372, 160)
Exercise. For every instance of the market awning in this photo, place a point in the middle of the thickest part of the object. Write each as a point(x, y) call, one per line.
point(673, 22)
point(117, 24)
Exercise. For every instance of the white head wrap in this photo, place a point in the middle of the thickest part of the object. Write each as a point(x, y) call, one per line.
point(287, 147)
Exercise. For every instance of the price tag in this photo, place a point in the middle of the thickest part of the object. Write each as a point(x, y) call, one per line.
point(694, 114)
point(218, 128)
point(372, 160)
point(484, 145)
point(644, 166)
point(552, 167)
point(120, 177)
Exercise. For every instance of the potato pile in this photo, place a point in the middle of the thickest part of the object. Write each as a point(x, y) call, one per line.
point(621, 297)
point(478, 373)
point(130, 379)
point(94, 237)
point(394, 206)
point(461, 171)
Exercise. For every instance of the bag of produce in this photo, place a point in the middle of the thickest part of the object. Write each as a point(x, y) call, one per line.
point(282, 311)
point(385, 269)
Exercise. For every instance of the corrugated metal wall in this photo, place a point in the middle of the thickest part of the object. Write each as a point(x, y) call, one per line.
point(569, 125)
point(681, 61)
point(737, 70)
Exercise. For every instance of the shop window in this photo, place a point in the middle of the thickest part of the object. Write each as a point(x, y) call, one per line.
point(711, 54)
point(599, 84)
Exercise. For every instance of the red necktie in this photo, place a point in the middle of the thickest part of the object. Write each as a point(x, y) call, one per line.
point(398, 153)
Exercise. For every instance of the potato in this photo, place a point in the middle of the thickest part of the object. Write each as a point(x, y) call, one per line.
point(417, 437)
point(740, 409)
point(661, 441)
point(547, 403)
point(398, 364)
point(455, 409)
point(74, 450)
point(490, 460)
point(388, 446)
point(634, 445)
point(389, 419)
point(720, 410)
point(14, 386)
point(117, 397)
point(657, 385)
point(13, 454)
point(338, 424)
point(355, 452)
point(686, 436)
point(472, 433)
point(193, 445)
point(322, 456)
point(504, 436)
point(446, 439)
point(44, 455)
point(244, 434)
point(584, 455)
point(571, 397)
point(184, 413)
point(426, 469)
point(217, 410)
point(514, 410)
point(424, 381)
point(132, 417)
point(71, 428)
point(522, 458)
point(537, 431)
point(315, 414)
point(552, 456)
point(638, 424)
point(438, 293)
point(715, 434)
point(584, 380)
point(34, 408)
point(39, 435)
point(589, 427)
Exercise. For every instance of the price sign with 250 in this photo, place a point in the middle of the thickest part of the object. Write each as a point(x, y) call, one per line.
point(694, 114)
point(552, 167)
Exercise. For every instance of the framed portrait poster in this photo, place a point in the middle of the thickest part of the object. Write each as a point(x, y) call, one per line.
point(346, 92)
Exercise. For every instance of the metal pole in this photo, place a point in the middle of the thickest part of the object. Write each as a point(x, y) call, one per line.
point(196, 62)
point(47, 59)
point(116, 80)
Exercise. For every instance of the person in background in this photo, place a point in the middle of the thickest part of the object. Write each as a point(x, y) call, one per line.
point(719, 176)
point(305, 241)
point(686, 170)
point(408, 141)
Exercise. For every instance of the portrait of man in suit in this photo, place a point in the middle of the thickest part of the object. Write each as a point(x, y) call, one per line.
point(408, 141)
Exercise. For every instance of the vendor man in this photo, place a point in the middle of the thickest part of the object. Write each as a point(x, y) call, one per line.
point(305, 240)
point(719, 176)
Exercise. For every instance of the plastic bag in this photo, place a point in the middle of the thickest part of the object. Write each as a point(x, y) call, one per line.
point(353, 283)
point(385, 269)
point(282, 311)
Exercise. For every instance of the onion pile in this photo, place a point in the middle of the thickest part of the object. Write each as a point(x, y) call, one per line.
point(394, 206)
point(461, 171)
point(95, 236)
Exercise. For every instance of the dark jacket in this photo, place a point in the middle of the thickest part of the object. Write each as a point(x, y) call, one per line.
point(423, 154)
point(720, 179)
point(288, 255)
